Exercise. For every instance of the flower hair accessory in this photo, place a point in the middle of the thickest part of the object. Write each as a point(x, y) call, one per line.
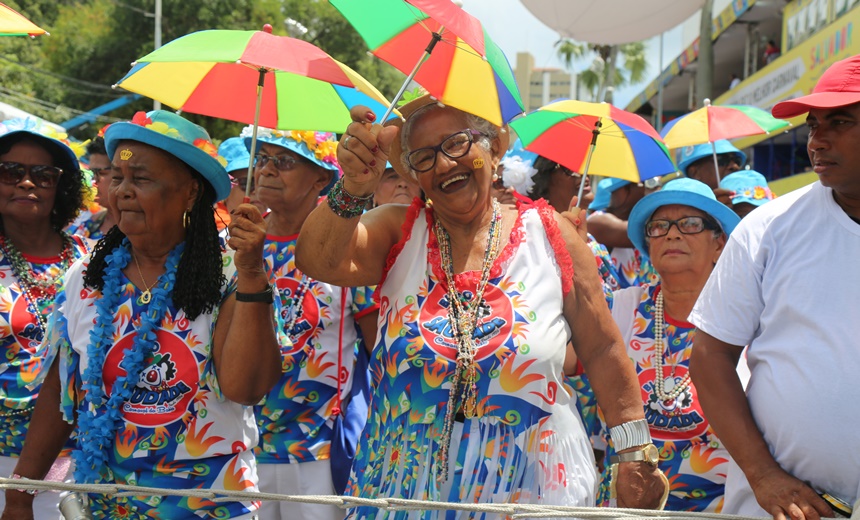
point(518, 174)
point(142, 119)
point(318, 147)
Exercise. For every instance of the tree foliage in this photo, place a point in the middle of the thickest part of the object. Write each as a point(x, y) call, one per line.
point(604, 74)
point(93, 43)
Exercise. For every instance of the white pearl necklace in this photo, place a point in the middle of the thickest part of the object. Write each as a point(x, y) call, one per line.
point(659, 350)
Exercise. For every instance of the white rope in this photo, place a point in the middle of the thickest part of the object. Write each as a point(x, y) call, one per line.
point(514, 511)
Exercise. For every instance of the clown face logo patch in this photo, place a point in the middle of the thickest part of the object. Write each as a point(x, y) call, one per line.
point(166, 385)
point(674, 419)
point(304, 316)
point(493, 328)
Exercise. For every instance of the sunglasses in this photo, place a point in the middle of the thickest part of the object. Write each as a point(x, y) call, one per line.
point(282, 163)
point(686, 225)
point(42, 176)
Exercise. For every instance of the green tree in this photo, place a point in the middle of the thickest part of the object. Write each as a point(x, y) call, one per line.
point(603, 74)
point(94, 42)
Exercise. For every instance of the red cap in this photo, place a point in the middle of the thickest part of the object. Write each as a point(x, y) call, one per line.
point(839, 86)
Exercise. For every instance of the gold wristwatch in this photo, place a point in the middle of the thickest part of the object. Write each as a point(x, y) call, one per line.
point(647, 453)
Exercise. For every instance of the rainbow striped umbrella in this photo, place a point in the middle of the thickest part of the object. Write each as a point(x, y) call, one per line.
point(445, 49)
point(253, 77)
point(712, 123)
point(13, 23)
point(595, 138)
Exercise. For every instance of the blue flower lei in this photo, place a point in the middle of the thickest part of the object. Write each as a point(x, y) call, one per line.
point(101, 418)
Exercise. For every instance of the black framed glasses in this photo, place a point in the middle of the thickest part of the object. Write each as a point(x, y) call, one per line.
point(686, 225)
point(42, 176)
point(99, 171)
point(454, 146)
point(725, 159)
point(282, 163)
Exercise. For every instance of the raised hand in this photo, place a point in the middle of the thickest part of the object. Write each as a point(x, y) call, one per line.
point(363, 151)
point(247, 234)
point(576, 216)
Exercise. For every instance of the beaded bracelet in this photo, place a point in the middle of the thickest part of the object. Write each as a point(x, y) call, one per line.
point(344, 204)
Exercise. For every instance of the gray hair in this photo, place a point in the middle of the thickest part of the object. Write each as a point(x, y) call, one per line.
point(473, 122)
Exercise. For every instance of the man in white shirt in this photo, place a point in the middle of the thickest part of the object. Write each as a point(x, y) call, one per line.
point(786, 285)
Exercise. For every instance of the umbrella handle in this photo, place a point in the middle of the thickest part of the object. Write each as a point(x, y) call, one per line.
point(436, 38)
point(594, 134)
point(260, 82)
point(716, 165)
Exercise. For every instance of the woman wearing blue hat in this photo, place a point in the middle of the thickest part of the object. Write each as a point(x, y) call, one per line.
point(163, 341)
point(41, 192)
point(749, 190)
point(320, 321)
point(682, 229)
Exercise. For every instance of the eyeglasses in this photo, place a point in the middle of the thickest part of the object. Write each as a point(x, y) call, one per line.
point(99, 171)
point(725, 159)
point(686, 225)
point(282, 163)
point(240, 182)
point(454, 146)
point(42, 176)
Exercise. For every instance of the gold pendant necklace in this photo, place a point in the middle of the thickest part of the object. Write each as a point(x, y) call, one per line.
point(146, 295)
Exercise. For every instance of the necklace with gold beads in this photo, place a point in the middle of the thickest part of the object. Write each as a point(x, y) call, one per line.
point(463, 317)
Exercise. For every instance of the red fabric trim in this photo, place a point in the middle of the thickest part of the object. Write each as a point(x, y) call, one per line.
point(670, 320)
point(41, 260)
point(394, 252)
point(277, 238)
point(580, 370)
point(365, 312)
point(469, 279)
point(553, 233)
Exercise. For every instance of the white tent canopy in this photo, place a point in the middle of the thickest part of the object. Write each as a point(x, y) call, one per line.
point(610, 22)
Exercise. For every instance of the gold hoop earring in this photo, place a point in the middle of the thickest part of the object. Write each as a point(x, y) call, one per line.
point(186, 219)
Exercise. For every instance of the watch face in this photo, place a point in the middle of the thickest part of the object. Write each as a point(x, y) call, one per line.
point(652, 454)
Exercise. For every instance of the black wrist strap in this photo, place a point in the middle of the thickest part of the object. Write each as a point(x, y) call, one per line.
point(267, 296)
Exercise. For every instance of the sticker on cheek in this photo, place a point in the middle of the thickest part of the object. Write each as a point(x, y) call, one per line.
point(478, 163)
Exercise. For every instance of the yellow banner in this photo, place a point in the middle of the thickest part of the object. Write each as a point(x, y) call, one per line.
point(796, 72)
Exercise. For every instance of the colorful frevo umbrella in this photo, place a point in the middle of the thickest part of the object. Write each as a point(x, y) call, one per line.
point(253, 77)
point(712, 123)
point(443, 48)
point(595, 138)
point(13, 23)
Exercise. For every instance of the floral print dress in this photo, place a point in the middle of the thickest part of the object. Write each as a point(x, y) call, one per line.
point(527, 444)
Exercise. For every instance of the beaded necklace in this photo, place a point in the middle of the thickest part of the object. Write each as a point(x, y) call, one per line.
point(101, 417)
point(38, 289)
point(463, 317)
point(295, 306)
point(659, 350)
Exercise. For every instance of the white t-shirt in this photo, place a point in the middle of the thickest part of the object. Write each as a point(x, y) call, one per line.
point(786, 285)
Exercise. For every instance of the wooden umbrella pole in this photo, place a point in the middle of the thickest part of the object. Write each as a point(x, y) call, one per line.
point(260, 82)
point(594, 134)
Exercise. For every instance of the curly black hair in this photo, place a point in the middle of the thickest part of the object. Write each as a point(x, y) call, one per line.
point(70, 188)
point(97, 146)
point(199, 276)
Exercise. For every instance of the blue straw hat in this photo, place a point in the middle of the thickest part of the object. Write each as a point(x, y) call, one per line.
point(604, 193)
point(691, 154)
point(236, 154)
point(177, 136)
point(45, 134)
point(686, 192)
point(749, 186)
point(319, 148)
